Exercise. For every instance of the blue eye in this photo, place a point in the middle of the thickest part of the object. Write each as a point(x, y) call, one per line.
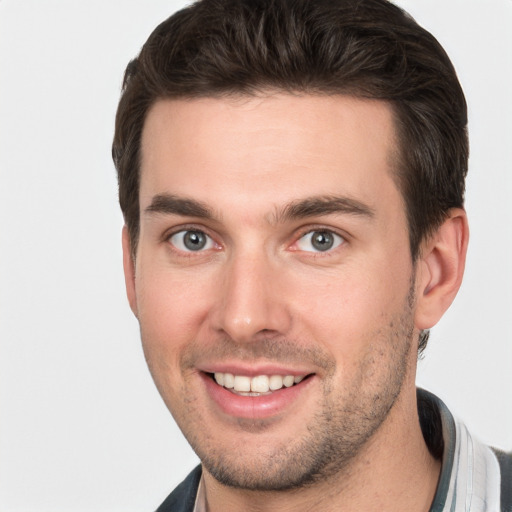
point(191, 241)
point(319, 241)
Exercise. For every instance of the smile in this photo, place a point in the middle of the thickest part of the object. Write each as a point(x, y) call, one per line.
point(258, 395)
point(251, 386)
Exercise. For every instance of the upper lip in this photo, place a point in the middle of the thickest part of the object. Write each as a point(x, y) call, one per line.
point(253, 370)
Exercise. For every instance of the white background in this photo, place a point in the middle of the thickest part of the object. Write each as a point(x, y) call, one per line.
point(82, 427)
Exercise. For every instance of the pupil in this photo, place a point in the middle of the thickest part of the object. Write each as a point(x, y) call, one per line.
point(194, 240)
point(322, 241)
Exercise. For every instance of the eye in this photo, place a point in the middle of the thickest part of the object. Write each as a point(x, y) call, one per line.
point(319, 241)
point(191, 241)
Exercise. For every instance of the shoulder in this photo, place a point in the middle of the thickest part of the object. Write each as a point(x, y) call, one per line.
point(471, 471)
point(183, 498)
point(505, 461)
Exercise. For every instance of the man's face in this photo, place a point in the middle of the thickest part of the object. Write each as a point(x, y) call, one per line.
point(274, 248)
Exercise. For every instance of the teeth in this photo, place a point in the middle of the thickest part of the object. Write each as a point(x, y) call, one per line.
point(259, 384)
point(229, 380)
point(276, 382)
point(288, 381)
point(242, 383)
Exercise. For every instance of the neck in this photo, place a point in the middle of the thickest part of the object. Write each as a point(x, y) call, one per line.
point(394, 471)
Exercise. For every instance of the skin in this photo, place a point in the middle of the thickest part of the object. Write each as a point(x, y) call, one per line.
point(261, 298)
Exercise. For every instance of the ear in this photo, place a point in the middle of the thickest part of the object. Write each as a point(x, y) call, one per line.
point(129, 271)
point(440, 270)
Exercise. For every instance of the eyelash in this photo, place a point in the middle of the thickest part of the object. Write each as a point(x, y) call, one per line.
point(309, 230)
point(320, 229)
point(184, 229)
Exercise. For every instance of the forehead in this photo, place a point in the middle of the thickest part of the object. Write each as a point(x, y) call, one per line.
point(269, 147)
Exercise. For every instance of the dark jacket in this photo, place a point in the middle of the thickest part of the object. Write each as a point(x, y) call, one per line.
point(183, 498)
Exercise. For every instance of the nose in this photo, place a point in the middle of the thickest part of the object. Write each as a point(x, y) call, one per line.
point(252, 300)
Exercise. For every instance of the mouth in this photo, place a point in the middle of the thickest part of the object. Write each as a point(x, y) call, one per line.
point(257, 393)
point(259, 385)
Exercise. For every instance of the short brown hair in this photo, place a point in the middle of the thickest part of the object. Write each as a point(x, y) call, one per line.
point(366, 48)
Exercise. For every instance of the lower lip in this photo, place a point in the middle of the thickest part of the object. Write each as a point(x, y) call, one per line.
point(262, 406)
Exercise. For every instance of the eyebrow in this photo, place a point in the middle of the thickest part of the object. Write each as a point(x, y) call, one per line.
point(323, 205)
point(174, 205)
point(309, 207)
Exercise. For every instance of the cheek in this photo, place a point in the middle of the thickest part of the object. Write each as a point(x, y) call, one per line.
point(346, 310)
point(171, 311)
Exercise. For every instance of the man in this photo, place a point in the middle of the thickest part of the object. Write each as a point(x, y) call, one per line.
point(291, 175)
